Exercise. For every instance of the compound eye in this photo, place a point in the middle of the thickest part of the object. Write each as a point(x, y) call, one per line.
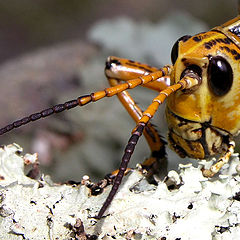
point(220, 75)
point(174, 53)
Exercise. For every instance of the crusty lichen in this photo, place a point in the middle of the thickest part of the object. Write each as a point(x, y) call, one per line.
point(185, 206)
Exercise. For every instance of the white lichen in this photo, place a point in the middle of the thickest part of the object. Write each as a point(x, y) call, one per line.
point(185, 206)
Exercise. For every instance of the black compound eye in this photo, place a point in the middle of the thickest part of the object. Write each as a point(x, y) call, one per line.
point(220, 75)
point(174, 53)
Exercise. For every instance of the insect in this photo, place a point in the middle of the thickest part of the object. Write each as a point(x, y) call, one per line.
point(202, 91)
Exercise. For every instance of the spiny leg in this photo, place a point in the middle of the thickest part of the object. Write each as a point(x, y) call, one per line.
point(154, 140)
point(156, 161)
point(215, 168)
point(83, 100)
point(185, 83)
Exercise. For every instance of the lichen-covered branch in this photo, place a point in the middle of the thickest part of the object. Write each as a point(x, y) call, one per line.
point(185, 206)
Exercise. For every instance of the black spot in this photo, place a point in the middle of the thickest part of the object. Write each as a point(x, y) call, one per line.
point(185, 38)
point(205, 65)
point(223, 40)
point(175, 217)
point(109, 63)
point(237, 57)
point(183, 60)
point(227, 49)
point(237, 196)
point(227, 41)
point(211, 43)
point(115, 61)
point(207, 45)
point(222, 229)
point(235, 30)
point(190, 206)
point(174, 52)
point(96, 190)
point(233, 51)
point(197, 38)
point(235, 54)
point(214, 42)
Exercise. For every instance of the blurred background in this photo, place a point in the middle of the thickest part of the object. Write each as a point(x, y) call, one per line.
point(27, 25)
point(54, 51)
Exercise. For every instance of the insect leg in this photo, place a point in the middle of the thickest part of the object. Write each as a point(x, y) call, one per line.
point(221, 161)
point(154, 140)
point(122, 70)
point(186, 82)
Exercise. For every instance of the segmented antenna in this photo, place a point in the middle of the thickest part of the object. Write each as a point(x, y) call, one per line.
point(124, 163)
point(83, 100)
